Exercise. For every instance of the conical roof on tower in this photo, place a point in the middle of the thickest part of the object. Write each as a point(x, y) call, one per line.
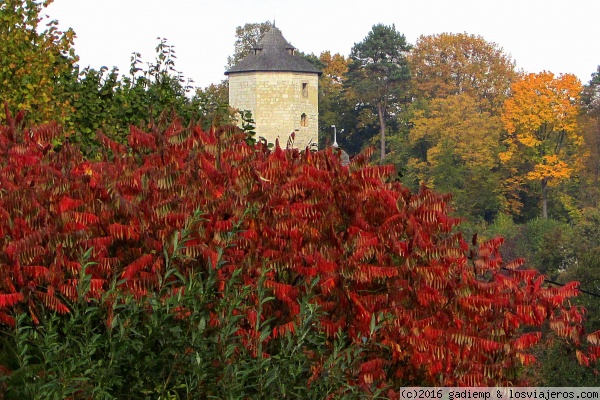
point(273, 53)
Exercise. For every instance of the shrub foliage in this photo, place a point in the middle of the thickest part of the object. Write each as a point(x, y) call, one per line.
point(383, 268)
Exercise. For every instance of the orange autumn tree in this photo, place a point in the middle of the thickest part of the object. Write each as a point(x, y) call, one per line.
point(540, 118)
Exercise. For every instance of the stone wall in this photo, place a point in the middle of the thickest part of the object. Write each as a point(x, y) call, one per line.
point(277, 101)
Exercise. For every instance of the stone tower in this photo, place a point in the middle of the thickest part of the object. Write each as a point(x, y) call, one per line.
point(281, 90)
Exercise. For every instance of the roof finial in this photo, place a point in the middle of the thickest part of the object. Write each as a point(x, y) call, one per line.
point(273, 21)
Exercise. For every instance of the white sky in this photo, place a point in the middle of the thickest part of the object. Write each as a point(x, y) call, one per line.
point(557, 36)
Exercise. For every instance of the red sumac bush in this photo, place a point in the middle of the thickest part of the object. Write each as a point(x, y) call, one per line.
point(393, 271)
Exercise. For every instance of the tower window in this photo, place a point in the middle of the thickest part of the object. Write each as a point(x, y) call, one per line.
point(303, 120)
point(305, 89)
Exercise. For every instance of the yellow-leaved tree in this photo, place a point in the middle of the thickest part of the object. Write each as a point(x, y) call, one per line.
point(540, 118)
point(331, 93)
point(459, 84)
point(449, 64)
point(35, 63)
point(455, 149)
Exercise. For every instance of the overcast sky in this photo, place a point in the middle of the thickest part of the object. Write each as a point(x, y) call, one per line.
point(557, 36)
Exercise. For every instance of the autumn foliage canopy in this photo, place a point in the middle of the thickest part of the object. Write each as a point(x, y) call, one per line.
point(392, 270)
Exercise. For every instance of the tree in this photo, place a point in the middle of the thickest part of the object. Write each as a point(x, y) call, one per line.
point(335, 68)
point(338, 105)
point(588, 165)
point(34, 62)
point(95, 108)
point(105, 101)
point(378, 71)
point(213, 104)
point(161, 85)
point(591, 94)
point(448, 64)
point(540, 117)
point(247, 37)
point(452, 131)
point(332, 102)
point(454, 148)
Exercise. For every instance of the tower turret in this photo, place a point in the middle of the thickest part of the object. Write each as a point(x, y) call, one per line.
point(280, 88)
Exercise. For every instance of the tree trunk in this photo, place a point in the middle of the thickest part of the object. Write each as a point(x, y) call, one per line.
point(544, 198)
point(383, 127)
